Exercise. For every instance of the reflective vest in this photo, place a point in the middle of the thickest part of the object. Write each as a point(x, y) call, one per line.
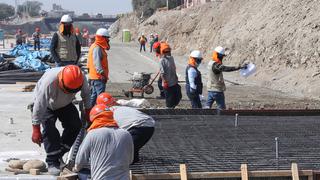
point(66, 48)
point(93, 74)
point(215, 80)
point(197, 81)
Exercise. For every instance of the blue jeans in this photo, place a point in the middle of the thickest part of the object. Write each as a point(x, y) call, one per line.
point(218, 97)
point(97, 87)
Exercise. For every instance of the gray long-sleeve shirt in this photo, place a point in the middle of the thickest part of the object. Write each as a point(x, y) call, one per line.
point(127, 117)
point(48, 94)
point(97, 58)
point(109, 151)
point(168, 70)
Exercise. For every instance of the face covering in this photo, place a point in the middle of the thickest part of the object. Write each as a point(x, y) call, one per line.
point(103, 42)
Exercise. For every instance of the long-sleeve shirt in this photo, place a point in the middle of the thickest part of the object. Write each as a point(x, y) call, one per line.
point(128, 117)
point(36, 36)
point(48, 94)
point(97, 58)
point(192, 74)
point(168, 70)
point(54, 45)
point(109, 151)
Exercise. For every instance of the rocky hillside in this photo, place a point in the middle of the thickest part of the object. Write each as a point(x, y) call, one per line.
point(280, 37)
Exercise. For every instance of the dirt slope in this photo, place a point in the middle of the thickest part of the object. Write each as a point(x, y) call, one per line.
point(281, 37)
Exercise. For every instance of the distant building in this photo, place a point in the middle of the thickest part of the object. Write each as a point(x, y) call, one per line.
point(58, 11)
point(191, 3)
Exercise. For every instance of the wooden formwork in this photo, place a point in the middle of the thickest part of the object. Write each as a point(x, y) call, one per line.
point(244, 174)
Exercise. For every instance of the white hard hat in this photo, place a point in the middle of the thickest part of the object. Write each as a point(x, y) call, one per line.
point(102, 32)
point(196, 54)
point(220, 50)
point(66, 19)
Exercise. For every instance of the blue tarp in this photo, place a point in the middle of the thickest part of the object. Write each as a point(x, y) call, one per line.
point(25, 59)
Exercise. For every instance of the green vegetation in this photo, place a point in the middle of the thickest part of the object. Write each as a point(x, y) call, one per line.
point(6, 11)
point(31, 8)
point(148, 7)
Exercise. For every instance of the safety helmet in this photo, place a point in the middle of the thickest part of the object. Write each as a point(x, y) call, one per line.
point(220, 50)
point(37, 29)
point(196, 54)
point(165, 48)
point(102, 111)
point(156, 45)
point(106, 99)
point(71, 79)
point(102, 32)
point(66, 19)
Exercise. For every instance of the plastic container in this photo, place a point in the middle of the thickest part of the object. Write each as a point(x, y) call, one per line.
point(126, 35)
point(251, 69)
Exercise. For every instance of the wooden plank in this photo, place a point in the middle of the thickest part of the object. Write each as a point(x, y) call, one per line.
point(34, 171)
point(244, 172)
point(227, 174)
point(295, 172)
point(183, 172)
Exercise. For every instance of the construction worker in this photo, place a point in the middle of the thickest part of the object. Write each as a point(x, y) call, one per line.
point(53, 97)
point(142, 40)
point(172, 89)
point(78, 34)
point(137, 123)
point(193, 79)
point(85, 37)
point(20, 37)
point(98, 64)
point(65, 47)
point(156, 47)
point(151, 38)
point(215, 83)
point(36, 38)
point(106, 148)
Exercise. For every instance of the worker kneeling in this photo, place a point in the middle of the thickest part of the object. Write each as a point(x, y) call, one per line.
point(193, 79)
point(108, 149)
point(53, 98)
point(137, 123)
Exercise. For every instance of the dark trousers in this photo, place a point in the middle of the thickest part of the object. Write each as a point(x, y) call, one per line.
point(173, 96)
point(195, 100)
point(56, 145)
point(37, 45)
point(140, 136)
point(143, 46)
point(97, 87)
point(160, 87)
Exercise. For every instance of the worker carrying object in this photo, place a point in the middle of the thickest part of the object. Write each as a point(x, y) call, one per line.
point(107, 148)
point(137, 123)
point(53, 96)
point(172, 89)
point(98, 64)
point(36, 38)
point(142, 40)
point(193, 79)
point(215, 83)
point(20, 37)
point(65, 47)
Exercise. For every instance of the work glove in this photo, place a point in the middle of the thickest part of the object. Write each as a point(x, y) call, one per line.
point(36, 134)
point(165, 85)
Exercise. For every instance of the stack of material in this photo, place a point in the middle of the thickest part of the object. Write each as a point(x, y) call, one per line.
point(19, 75)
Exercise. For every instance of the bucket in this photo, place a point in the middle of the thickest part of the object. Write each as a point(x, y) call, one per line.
point(251, 69)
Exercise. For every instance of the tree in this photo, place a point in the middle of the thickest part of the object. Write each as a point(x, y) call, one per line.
point(148, 7)
point(6, 11)
point(32, 8)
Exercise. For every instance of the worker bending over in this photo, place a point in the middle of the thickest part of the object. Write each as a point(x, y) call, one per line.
point(215, 83)
point(106, 148)
point(137, 123)
point(98, 64)
point(65, 47)
point(53, 97)
point(193, 79)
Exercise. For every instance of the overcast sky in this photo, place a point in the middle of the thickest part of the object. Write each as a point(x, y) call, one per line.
point(107, 7)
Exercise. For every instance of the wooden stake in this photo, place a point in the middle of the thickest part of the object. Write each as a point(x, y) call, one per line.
point(183, 172)
point(244, 172)
point(295, 171)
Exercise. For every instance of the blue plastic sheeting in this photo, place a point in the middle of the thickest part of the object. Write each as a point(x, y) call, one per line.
point(26, 59)
point(45, 43)
point(1, 58)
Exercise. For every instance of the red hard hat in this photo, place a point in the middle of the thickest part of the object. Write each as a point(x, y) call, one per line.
point(100, 111)
point(37, 29)
point(71, 79)
point(106, 99)
point(156, 45)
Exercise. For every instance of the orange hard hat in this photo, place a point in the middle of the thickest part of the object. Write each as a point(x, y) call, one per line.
point(100, 111)
point(106, 99)
point(165, 48)
point(71, 79)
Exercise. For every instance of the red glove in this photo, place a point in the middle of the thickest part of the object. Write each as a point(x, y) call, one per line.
point(87, 114)
point(165, 85)
point(36, 134)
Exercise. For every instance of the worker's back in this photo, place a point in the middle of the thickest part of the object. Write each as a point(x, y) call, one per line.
point(110, 151)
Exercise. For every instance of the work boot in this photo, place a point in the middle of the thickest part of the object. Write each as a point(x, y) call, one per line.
point(54, 170)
